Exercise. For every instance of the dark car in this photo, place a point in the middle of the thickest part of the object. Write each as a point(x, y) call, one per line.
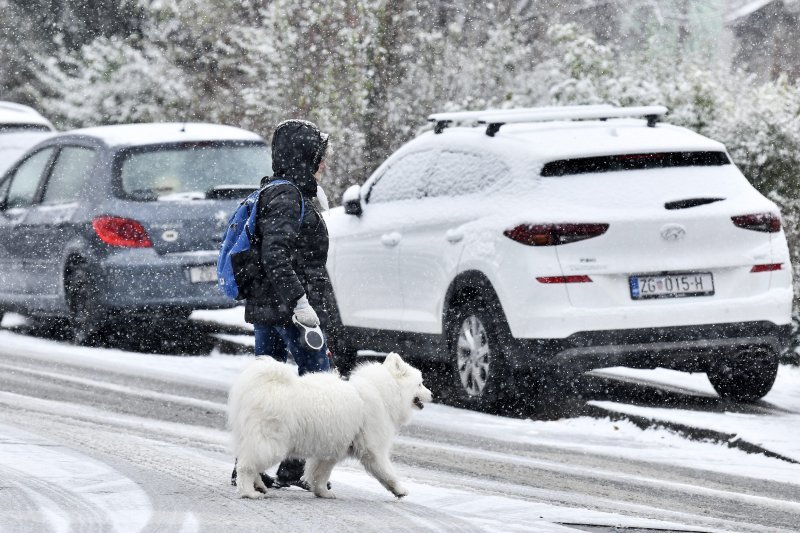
point(118, 221)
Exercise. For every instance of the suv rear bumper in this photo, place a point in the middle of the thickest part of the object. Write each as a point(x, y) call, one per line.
point(688, 348)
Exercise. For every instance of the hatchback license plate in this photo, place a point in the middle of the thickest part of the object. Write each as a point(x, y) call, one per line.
point(203, 274)
point(671, 285)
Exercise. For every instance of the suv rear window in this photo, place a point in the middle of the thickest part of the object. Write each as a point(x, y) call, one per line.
point(613, 163)
point(192, 170)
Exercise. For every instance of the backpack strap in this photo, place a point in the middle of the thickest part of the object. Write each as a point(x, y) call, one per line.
point(251, 220)
point(302, 200)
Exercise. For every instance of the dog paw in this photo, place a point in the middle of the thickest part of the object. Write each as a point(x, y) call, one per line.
point(400, 491)
point(325, 493)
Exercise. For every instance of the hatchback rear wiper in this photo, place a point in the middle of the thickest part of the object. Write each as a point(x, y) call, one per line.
point(691, 202)
point(229, 192)
point(143, 195)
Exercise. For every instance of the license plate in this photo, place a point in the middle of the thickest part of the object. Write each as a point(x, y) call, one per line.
point(203, 274)
point(671, 285)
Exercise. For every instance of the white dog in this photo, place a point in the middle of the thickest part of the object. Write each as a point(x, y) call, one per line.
point(274, 414)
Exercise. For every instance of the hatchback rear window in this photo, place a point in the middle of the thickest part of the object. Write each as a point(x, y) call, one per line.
point(191, 170)
point(613, 163)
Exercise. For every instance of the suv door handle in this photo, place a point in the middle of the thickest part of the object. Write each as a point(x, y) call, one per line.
point(390, 239)
point(454, 235)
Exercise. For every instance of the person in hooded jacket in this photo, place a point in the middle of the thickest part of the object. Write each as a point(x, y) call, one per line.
point(294, 280)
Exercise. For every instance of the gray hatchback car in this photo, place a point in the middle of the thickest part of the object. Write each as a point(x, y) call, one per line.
point(118, 221)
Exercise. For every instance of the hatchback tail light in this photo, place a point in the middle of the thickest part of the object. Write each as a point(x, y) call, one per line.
point(765, 222)
point(118, 231)
point(554, 234)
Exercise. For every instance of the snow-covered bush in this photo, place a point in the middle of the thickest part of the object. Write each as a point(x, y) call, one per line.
point(111, 82)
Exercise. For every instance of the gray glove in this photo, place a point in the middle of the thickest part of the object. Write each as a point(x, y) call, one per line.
point(305, 314)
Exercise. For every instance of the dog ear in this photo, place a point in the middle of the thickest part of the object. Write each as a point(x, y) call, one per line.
point(395, 364)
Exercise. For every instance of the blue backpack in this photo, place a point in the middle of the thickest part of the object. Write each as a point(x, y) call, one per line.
point(239, 263)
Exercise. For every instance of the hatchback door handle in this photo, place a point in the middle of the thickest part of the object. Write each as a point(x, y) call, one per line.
point(454, 235)
point(390, 239)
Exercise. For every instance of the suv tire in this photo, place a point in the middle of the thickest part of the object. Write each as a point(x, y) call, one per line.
point(746, 376)
point(86, 315)
point(477, 340)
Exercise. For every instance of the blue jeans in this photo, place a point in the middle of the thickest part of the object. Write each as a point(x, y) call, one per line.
point(279, 341)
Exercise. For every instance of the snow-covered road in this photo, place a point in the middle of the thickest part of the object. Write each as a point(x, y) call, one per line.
point(107, 440)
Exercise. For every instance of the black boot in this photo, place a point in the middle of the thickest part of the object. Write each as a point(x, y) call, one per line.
point(266, 479)
point(289, 473)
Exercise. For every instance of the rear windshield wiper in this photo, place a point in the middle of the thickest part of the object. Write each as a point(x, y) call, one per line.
point(147, 195)
point(229, 192)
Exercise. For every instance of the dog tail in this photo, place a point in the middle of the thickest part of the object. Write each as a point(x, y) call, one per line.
point(266, 369)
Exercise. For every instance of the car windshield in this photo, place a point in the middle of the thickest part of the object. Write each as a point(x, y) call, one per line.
point(193, 170)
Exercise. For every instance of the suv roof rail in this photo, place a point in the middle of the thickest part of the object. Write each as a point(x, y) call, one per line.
point(444, 119)
point(495, 118)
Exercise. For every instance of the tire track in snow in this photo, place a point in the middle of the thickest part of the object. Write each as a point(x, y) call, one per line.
point(720, 505)
point(69, 490)
point(192, 480)
point(202, 462)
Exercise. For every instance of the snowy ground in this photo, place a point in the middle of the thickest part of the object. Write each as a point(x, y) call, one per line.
point(108, 440)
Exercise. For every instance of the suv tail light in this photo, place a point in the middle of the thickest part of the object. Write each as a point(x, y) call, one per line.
point(118, 231)
point(771, 267)
point(765, 222)
point(564, 279)
point(554, 234)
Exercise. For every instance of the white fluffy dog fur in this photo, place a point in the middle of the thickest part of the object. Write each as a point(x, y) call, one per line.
point(274, 414)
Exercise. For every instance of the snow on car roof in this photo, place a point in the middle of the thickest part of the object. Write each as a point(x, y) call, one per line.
point(12, 113)
point(551, 141)
point(165, 132)
point(13, 145)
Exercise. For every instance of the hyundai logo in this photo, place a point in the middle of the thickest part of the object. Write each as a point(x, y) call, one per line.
point(673, 232)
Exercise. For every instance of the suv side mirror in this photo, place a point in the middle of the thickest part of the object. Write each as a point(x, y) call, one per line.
point(351, 199)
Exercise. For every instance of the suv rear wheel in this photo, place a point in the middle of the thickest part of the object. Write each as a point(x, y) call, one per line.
point(746, 376)
point(86, 314)
point(476, 341)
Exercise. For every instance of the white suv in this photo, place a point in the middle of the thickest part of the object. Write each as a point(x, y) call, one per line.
point(563, 238)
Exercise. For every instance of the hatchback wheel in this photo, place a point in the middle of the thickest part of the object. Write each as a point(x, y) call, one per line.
point(480, 373)
point(747, 376)
point(86, 314)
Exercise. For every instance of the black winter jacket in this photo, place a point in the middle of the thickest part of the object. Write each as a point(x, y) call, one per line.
point(293, 255)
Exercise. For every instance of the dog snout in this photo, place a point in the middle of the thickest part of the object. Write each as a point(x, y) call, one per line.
point(425, 394)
